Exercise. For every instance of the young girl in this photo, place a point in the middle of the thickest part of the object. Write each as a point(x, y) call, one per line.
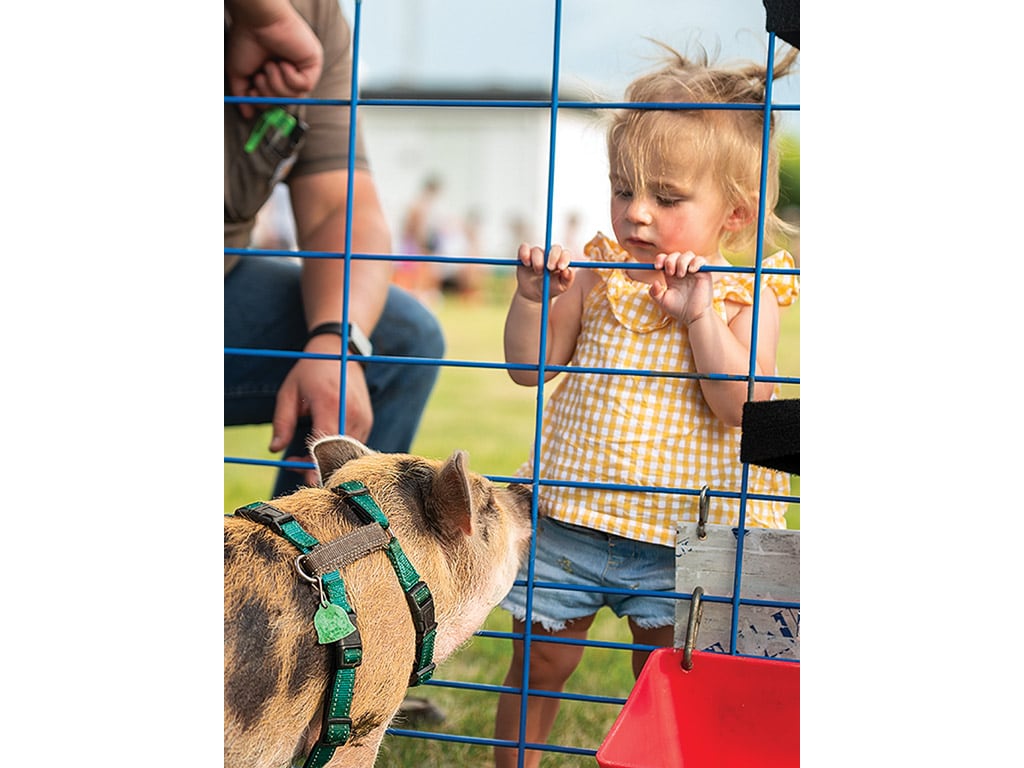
point(684, 184)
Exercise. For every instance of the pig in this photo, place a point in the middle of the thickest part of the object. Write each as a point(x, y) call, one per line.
point(465, 536)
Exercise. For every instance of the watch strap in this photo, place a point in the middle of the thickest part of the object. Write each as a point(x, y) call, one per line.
point(358, 344)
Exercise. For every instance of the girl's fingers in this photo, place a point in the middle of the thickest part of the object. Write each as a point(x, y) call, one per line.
point(557, 258)
point(564, 278)
point(679, 264)
point(538, 260)
point(669, 262)
point(523, 254)
point(553, 255)
point(533, 257)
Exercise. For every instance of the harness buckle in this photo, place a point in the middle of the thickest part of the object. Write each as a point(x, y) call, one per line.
point(348, 651)
point(263, 513)
point(334, 732)
point(422, 614)
point(354, 489)
point(422, 674)
point(338, 721)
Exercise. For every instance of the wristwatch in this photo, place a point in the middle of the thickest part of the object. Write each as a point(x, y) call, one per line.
point(358, 343)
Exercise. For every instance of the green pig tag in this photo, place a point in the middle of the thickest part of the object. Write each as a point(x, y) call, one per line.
point(332, 623)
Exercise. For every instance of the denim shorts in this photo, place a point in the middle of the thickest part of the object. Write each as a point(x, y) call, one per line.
point(570, 554)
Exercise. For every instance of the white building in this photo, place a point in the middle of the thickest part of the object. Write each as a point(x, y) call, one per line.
point(493, 163)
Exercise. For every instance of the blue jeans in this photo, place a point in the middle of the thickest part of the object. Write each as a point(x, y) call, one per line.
point(263, 310)
point(569, 554)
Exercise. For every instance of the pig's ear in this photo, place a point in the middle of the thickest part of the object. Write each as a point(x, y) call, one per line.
point(453, 496)
point(329, 453)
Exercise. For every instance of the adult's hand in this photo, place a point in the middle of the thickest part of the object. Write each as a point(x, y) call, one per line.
point(312, 389)
point(271, 51)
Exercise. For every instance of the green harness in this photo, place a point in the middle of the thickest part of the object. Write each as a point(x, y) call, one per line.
point(335, 620)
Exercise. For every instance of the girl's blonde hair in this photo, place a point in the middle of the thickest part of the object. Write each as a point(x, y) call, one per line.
point(725, 142)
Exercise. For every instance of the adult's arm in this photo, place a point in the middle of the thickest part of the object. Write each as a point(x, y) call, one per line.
point(313, 386)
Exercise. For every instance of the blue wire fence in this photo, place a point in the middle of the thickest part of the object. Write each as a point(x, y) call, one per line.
point(552, 105)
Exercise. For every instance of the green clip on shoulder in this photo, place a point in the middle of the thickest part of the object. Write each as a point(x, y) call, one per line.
point(273, 118)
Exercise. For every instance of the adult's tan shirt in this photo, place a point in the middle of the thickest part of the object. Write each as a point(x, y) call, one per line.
point(249, 179)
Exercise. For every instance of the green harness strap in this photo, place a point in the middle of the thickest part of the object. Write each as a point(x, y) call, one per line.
point(417, 595)
point(335, 619)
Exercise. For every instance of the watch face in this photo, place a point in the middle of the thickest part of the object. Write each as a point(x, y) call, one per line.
point(358, 343)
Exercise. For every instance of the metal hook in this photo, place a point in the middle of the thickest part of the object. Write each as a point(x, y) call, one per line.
point(299, 562)
point(692, 625)
point(702, 513)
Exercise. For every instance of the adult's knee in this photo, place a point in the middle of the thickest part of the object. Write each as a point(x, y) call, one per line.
point(407, 328)
point(424, 335)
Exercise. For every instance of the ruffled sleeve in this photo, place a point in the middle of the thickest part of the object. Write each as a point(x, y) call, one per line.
point(740, 288)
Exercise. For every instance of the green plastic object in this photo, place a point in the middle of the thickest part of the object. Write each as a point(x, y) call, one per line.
point(272, 118)
point(332, 623)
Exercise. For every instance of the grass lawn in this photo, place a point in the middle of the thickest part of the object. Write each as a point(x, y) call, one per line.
point(483, 412)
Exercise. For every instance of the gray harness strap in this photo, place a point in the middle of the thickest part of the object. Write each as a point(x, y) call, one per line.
point(346, 549)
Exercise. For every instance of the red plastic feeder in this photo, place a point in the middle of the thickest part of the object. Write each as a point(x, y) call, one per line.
point(725, 712)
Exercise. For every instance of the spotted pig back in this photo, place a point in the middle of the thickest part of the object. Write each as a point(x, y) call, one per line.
point(464, 535)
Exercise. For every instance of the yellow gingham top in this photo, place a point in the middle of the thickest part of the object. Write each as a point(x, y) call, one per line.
point(647, 430)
